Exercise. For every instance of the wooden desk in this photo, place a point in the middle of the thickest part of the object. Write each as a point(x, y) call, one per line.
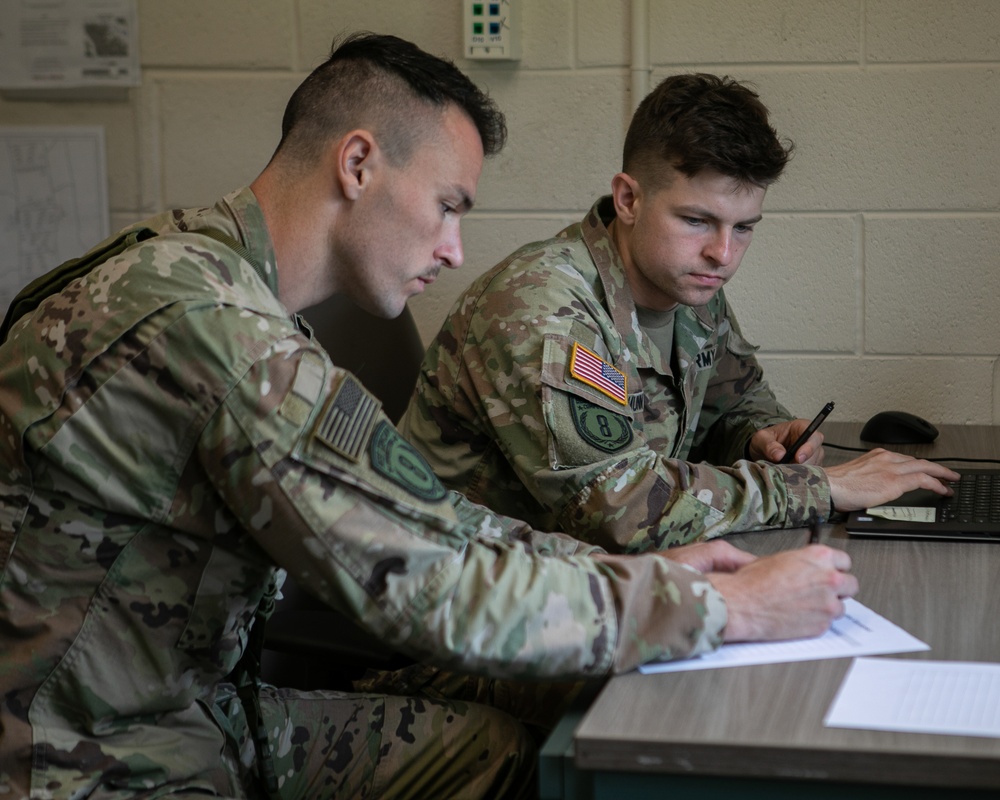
point(758, 731)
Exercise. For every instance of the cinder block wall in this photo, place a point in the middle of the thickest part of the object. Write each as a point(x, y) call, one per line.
point(872, 281)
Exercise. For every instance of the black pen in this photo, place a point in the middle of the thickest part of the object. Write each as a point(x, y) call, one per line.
point(814, 533)
point(809, 431)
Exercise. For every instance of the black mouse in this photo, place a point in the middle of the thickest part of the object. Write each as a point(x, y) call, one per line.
point(898, 427)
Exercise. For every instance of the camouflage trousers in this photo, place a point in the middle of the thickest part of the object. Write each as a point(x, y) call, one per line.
point(329, 744)
point(536, 705)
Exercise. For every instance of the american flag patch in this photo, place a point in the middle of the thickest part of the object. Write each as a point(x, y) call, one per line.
point(348, 419)
point(594, 371)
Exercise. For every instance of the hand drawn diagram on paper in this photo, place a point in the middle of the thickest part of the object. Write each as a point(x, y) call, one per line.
point(53, 200)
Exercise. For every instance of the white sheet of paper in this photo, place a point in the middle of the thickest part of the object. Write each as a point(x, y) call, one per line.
point(898, 694)
point(860, 632)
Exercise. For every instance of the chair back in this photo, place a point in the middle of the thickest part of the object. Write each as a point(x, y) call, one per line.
point(384, 354)
point(308, 645)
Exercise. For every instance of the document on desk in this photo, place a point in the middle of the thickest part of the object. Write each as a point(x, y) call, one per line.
point(860, 632)
point(898, 694)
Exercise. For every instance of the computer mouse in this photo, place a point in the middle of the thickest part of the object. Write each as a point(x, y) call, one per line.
point(898, 427)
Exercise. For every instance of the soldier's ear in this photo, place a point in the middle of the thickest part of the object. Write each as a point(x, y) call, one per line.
point(625, 194)
point(357, 156)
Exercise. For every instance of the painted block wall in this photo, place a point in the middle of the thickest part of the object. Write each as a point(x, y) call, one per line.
point(873, 279)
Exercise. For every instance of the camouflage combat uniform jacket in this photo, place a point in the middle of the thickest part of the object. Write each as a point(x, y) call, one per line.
point(543, 398)
point(171, 442)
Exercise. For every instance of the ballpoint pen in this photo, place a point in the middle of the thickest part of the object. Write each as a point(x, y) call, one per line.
point(809, 431)
point(814, 533)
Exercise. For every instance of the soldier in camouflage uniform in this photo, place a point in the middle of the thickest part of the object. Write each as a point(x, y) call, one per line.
point(590, 382)
point(174, 443)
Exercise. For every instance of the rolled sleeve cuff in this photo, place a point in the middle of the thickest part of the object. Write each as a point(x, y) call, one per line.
point(666, 610)
point(807, 495)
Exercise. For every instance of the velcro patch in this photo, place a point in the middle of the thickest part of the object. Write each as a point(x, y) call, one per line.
point(301, 400)
point(593, 370)
point(705, 359)
point(399, 461)
point(347, 421)
point(601, 428)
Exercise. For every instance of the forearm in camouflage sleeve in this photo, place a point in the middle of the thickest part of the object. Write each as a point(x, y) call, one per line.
point(426, 583)
point(645, 502)
point(497, 526)
point(636, 498)
point(695, 615)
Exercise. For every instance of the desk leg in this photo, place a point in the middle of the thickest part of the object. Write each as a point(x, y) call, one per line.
point(558, 778)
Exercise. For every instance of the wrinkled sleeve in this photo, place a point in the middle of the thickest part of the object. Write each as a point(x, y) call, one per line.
point(492, 525)
point(500, 385)
point(358, 521)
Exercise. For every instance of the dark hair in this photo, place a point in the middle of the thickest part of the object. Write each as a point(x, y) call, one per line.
point(700, 121)
point(386, 84)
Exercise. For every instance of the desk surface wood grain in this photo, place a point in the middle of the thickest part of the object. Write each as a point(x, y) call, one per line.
point(767, 720)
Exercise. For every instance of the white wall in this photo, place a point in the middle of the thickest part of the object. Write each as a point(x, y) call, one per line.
point(873, 279)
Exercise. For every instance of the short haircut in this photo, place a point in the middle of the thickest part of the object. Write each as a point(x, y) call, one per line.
point(389, 86)
point(698, 122)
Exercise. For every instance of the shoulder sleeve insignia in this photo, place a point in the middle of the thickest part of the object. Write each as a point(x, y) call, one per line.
point(347, 420)
point(603, 429)
point(399, 461)
point(590, 368)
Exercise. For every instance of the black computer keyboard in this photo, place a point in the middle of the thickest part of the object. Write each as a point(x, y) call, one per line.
point(976, 499)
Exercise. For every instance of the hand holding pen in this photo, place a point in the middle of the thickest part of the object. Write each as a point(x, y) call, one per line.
point(813, 426)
